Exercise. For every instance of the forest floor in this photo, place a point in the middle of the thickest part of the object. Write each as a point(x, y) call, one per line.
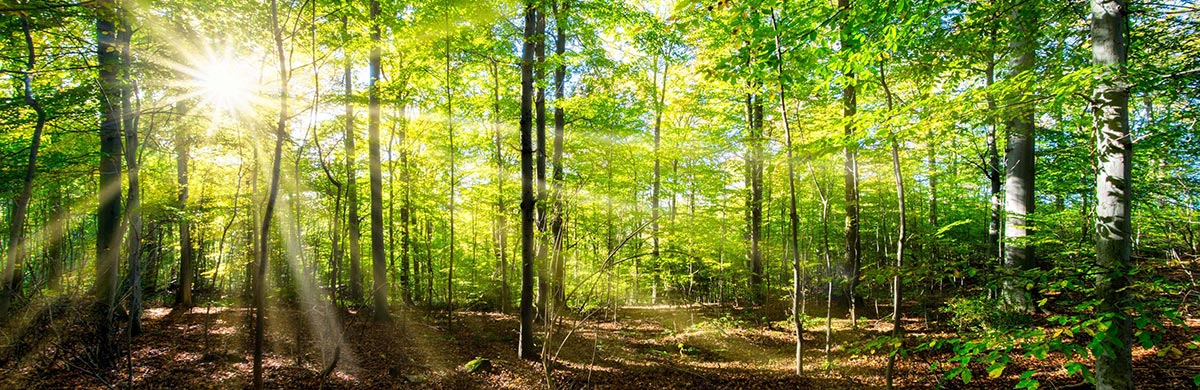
point(648, 347)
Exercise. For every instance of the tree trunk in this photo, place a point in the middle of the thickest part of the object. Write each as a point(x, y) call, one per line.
point(542, 194)
point(525, 344)
point(556, 226)
point(406, 221)
point(1114, 149)
point(335, 229)
point(133, 202)
point(992, 170)
point(10, 285)
point(378, 258)
point(1019, 171)
point(356, 293)
point(793, 216)
point(829, 270)
point(755, 202)
point(501, 209)
point(901, 236)
point(183, 297)
point(849, 108)
point(60, 217)
point(450, 133)
point(260, 274)
point(108, 215)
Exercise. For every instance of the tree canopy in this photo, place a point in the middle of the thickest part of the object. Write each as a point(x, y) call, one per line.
point(990, 190)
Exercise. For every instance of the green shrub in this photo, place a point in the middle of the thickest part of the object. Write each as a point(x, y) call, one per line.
point(981, 313)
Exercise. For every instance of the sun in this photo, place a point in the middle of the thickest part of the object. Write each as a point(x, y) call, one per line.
point(225, 84)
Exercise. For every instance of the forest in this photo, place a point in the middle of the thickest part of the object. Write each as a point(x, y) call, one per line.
point(611, 194)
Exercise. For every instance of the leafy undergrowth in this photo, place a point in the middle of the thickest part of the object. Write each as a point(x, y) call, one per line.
point(650, 347)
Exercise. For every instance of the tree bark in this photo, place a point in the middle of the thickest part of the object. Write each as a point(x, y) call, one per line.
point(335, 229)
point(793, 216)
point(356, 293)
point(378, 258)
point(656, 183)
point(556, 226)
point(260, 274)
point(901, 236)
point(849, 108)
point(501, 209)
point(525, 344)
point(542, 193)
point(754, 173)
point(452, 184)
point(183, 297)
point(108, 215)
point(10, 283)
point(60, 217)
point(133, 202)
point(406, 278)
point(993, 166)
point(1114, 149)
point(1019, 170)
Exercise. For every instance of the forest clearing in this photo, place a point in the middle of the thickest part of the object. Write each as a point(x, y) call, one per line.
point(613, 194)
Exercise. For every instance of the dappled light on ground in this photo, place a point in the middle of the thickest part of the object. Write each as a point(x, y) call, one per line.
point(659, 347)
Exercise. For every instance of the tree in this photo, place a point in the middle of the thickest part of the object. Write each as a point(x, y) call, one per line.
point(1114, 151)
point(378, 258)
point(543, 248)
point(133, 201)
point(352, 221)
point(186, 256)
point(754, 181)
point(793, 216)
point(556, 226)
point(849, 108)
point(1019, 165)
point(10, 285)
point(260, 269)
point(453, 178)
point(901, 231)
point(992, 159)
point(108, 214)
point(525, 344)
point(501, 209)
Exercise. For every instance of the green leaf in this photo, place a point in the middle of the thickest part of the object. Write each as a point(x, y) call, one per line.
point(1073, 367)
point(996, 370)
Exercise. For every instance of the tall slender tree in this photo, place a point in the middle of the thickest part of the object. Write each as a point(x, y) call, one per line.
point(1114, 151)
point(1019, 163)
point(183, 297)
point(557, 229)
point(659, 96)
point(108, 215)
point(901, 231)
point(849, 108)
point(264, 249)
point(543, 248)
point(501, 209)
point(10, 282)
point(525, 344)
point(133, 201)
point(793, 216)
point(352, 221)
point(992, 159)
point(378, 257)
point(453, 179)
